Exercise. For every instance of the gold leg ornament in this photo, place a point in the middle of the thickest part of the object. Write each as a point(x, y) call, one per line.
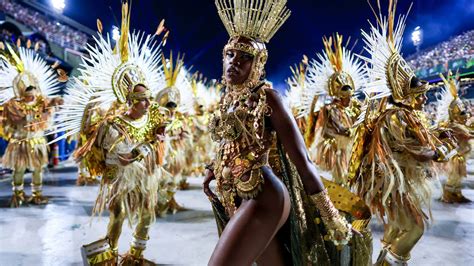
point(453, 194)
point(18, 197)
point(138, 243)
point(37, 197)
point(388, 258)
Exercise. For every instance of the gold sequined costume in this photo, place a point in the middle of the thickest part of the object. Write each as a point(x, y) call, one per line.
point(126, 146)
point(246, 143)
point(27, 83)
point(394, 151)
point(453, 116)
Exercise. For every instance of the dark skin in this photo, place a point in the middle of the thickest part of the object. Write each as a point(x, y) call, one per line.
point(250, 234)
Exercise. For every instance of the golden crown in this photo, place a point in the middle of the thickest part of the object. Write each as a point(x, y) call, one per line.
point(254, 19)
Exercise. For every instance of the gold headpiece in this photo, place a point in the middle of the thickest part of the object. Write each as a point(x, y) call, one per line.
point(390, 74)
point(399, 73)
point(254, 19)
point(24, 79)
point(170, 94)
point(340, 78)
point(455, 105)
point(127, 75)
point(21, 68)
point(251, 24)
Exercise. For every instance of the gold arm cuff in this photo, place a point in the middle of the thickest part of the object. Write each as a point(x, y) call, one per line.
point(338, 229)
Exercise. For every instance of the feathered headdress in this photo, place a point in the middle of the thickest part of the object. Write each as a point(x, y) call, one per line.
point(449, 94)
point(108, 73)
point(177, 89)
point(207, 96)
point(23, 68)
point(296, 86)
point(389, 74)
point(333, 69)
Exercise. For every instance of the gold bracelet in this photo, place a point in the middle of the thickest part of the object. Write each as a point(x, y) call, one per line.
point(338, 229)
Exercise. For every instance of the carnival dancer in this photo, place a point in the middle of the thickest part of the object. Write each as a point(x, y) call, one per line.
point(452, 115)
point(393, 158)
point(335, 76)
point(28, 86)
point(126, 148)
point(252, 203)
point(177, 97)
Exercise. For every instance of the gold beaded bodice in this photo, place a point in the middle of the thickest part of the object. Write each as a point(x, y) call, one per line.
point(243, 142)
point(142, 130)
point(34, 115)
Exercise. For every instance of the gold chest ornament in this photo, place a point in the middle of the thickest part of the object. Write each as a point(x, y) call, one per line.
point(243, 145)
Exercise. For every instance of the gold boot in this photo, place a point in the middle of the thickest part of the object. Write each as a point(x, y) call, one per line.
point(99, 253)
point(37, 197)
point(388, 258)
point(453, 194)
point(18, 198)
point(183, 184)
point(134, 257)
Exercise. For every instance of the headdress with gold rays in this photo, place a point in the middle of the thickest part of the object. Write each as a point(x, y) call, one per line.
point(177, 89)
point(333, 69)
point(23, 67)
point(449, 98)
point(251, 24)
point(108, 74)
point(389, 75)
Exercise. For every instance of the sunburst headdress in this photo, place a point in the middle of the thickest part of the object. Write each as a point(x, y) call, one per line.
point(109, 74)
point(389, 74)
point(334, 70)
point(449, 104)
point(251, 24)
point(206, 95)
point(22, 68)
point(177, 90)
point(296, 86)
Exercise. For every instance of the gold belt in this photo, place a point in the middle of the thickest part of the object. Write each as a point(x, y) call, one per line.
point(31, 141)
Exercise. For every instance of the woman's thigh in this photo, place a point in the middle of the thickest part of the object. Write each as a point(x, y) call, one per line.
point(254, 225)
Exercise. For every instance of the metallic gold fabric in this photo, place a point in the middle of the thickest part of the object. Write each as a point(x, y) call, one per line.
point(243, 144)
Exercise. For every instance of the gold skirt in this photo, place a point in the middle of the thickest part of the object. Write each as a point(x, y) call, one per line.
point(132, 185)
point(27, 154)
point(406, 185)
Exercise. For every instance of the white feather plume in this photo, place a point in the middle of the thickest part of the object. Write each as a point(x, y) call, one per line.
point(94, 85)
point(318, 73)
point(32, 63)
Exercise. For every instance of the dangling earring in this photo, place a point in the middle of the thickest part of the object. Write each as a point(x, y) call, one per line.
point(263, 75)
point(223, 82)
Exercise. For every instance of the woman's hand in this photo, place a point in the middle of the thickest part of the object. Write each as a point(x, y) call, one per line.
point(207, 180)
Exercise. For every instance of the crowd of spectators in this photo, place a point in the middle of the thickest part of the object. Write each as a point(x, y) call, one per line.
point(53, 30)
point(10, 37)
point(458, 47)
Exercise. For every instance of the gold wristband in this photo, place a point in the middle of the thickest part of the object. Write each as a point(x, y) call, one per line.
point(338, 229)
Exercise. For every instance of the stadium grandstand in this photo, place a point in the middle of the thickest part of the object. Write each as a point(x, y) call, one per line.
point(60, 38)
point(455, 53)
